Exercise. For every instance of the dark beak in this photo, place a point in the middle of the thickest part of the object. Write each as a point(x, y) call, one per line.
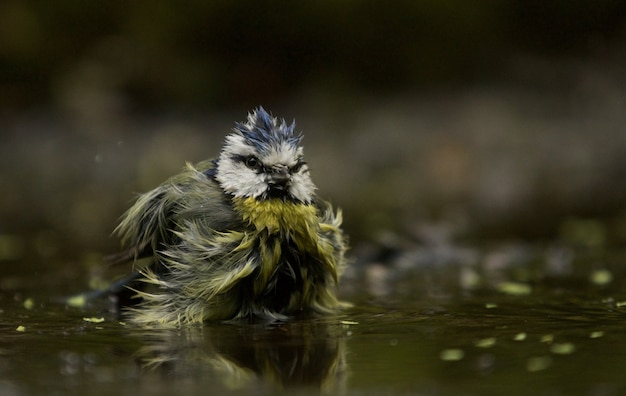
point(279, 176)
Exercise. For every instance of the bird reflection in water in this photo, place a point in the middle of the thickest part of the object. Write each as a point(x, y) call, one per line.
point(298, 354)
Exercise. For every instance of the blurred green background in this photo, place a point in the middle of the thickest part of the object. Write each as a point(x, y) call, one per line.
point(504, 119)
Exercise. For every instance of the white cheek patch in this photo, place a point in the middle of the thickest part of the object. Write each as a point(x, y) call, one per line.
point(302, 186)
point(238, 180)
point(234, 177)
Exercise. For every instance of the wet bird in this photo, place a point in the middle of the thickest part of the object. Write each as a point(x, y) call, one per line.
point(241, 236)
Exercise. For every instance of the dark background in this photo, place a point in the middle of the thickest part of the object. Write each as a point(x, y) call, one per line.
point(502, 119)
point(221, 53)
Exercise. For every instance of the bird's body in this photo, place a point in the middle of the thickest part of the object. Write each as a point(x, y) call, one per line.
point(238, 237)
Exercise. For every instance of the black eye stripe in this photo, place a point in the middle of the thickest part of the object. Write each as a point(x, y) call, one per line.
point(297, 166)
point(250, 161)
point(255, 163)
point(238, 158)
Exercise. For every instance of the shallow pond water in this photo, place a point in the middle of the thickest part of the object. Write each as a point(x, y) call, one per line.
point(428, 332)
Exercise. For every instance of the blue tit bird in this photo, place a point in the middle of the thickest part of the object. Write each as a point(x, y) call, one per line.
point(241, 236)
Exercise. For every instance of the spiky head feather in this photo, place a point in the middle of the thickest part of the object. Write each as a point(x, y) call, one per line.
point(264, 132)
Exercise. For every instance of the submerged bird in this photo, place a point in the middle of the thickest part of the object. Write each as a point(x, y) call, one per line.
point(241, 236)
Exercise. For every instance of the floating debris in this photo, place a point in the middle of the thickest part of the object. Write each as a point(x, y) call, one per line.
point(94, 320)
point(348, 322)
point(564, 348)
point(29, 303)
point(20, 328)
point(452, 355)
point(520, 337)
point(78, 301)
point(596, 334)
point(491, 305)
point(486, 342)
point(515, 288)
point(601, 277)
point(538, 363)
point(548, 338)
point(620, 304)
point(469, 278)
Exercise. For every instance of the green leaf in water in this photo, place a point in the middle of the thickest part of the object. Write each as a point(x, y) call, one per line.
point(548, 338)
point(564, 348)
point(601, 277)
point(519, 337)
point(538, 363)
point(486, 342)
point(515, 288)
point(452, 355)
point(29, 303)
point(94, 320)
point(78, 301)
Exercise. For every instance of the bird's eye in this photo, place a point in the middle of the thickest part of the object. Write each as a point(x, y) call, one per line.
point(252, 162)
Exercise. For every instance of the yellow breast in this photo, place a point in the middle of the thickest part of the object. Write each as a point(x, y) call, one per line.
point(277, 216)
point(276, 221)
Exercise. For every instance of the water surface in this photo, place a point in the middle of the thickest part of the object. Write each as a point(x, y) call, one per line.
point(427, 331)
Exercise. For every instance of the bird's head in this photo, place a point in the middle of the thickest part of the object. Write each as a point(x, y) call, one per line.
point(262, 159)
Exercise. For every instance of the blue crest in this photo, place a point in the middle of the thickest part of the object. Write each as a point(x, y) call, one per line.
point(264, 131)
